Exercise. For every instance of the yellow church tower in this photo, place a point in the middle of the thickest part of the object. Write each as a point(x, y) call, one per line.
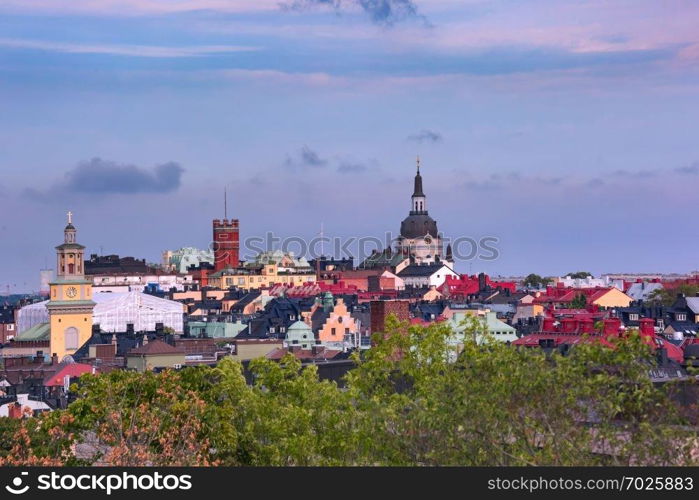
point(70, 305)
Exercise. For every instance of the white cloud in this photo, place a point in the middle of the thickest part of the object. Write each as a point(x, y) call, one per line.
point(123, 50)
point(135, 7)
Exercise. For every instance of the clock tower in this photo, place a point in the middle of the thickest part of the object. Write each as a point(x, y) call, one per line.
point(70, 305)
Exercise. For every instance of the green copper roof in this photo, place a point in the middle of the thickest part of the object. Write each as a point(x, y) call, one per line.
point(70, 246)
point(381, 259)
point(59, 303)
point(61, 280)
point(298, 326)
point(42, 331)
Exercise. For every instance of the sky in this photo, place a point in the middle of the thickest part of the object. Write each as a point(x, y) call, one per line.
point(566, 130)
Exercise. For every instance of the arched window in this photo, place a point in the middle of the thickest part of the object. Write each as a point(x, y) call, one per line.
point(71, 338)
point(71, 268)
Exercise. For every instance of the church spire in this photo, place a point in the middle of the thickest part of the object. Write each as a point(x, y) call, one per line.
point(69, 231)
point(417, 191)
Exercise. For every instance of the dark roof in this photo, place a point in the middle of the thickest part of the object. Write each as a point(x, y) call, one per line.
point(207, 304)
point(125, 342)
point(307, 354)
point(336, 264)
point(417, 190)
point(318, 319)
point(417, 225)
point(429, 309)
point(244, 301)
point(113, 264)
point(155, 347)
point(7, 314)
point(686, 327)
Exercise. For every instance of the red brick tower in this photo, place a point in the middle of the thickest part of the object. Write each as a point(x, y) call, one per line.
point(226, 243)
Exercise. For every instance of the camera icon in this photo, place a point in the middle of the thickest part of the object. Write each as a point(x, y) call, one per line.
point(16, 487)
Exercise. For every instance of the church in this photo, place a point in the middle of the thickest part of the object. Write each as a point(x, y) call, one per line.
point(419, 238)
point(70, 305)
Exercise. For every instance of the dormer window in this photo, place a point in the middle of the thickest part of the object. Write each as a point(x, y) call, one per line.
point(633, 317)
point(681, 317)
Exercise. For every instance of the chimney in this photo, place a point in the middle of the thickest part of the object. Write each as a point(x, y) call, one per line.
point(481, 281)
point(647, 327)
point(14, 410)
point(611, 326)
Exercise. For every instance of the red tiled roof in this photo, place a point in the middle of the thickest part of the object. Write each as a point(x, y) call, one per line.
point(71, 370)
point(302, 354)
point(559, 294)
point(558, 339)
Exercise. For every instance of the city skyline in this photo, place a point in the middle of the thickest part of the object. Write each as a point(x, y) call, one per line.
point(565, 131)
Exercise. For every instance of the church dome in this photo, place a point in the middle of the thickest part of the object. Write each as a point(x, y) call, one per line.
point(417, 226)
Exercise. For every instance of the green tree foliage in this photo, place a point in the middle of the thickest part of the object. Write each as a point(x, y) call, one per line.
point(421, 396)
point(579, 275)
point(579, 302)
point(536, 281)
point(667, 296)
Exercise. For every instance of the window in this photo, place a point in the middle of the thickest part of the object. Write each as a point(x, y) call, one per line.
point(346, 331)
point(633, 317)
point(71, 338)
point(333, 331)
point(241, 281)
point(681, 317)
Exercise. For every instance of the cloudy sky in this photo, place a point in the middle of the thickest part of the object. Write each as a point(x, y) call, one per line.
point(567, 129)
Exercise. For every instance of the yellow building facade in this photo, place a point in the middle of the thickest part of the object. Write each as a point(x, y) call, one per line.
point(613, 298)
point(251, 279)
point(70, 305)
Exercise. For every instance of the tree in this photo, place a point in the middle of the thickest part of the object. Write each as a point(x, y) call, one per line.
point(497, 405)
point(667, 296)
point(579, 302)
point(420, 396)
point(536, 281)
point(580, 275)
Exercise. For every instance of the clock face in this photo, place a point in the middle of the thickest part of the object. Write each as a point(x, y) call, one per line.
point(71, 291)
